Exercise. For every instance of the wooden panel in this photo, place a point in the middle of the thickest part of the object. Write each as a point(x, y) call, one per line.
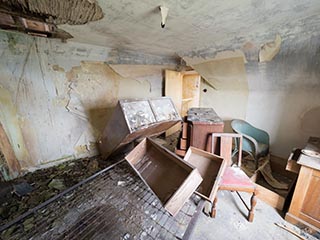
point(172, 180)
point(190, 92)
point(312, 198)
point(306, 199)
point(173, 89)
point(211, 168)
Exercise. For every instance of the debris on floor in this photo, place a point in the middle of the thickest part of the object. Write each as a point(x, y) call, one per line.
point(92, 211)
point(21, 194)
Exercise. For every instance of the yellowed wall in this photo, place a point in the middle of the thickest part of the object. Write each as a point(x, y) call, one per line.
point(56, 98)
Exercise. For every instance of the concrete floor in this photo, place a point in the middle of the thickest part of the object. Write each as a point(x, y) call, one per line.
point(230, 222)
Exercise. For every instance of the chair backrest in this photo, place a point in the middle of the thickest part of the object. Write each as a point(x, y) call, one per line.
point(243, 127)
point(225, 151)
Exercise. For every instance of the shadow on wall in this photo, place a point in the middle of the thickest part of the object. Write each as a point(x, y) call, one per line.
point(98, 119)
point(310, 121)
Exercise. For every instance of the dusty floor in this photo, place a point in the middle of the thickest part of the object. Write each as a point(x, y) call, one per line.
point(230, 222)
point(44, 184)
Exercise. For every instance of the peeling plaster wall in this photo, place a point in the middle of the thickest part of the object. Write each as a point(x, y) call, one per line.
point(56, 98)
point(283, 96)
point(226, 87)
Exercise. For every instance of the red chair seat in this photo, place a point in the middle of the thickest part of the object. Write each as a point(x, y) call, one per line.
point(234, 176)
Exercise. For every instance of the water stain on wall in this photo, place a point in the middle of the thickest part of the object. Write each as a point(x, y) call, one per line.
point(12, 127)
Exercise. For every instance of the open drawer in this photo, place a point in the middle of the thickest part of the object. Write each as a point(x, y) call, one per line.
point(170, 178)
point(211, 168)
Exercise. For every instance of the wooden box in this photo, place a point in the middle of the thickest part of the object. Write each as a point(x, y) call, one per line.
point(137, 118)
point(279, 199)
point(170, 178)
point(211, 168)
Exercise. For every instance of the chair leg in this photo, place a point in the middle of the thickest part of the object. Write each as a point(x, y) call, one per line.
point(214, 209)
point(253, 205)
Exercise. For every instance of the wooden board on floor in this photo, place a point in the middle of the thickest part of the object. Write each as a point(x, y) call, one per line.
point(170, 178)
point(274, 197)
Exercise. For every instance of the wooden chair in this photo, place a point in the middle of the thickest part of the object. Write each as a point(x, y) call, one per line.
point(233, 179)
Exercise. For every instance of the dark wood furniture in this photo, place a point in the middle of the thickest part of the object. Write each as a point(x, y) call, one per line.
point(137, 118)
point(305, 205)
point(201, 123)
point(233, 179)
point(170, 178)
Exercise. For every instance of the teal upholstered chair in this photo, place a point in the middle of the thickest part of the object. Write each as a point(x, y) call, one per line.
point(255, 141)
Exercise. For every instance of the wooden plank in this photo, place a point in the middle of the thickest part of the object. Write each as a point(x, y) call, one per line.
point(270, 197)
point(185, 130)
point(184, 192)
point(183, 144)
point(173, 89)
point(170, 178)
point(190, 92)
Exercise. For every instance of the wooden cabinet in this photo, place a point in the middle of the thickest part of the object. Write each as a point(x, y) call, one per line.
point(202, 122)
point(305, 204)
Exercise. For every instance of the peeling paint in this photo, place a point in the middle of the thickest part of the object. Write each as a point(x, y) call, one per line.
point(58, 68)
point(269, 50)
point(61, 100)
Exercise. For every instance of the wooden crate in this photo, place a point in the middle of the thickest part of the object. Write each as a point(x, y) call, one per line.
point(279, 199)
point(211, 168)
point(170, 178)
point(137, 118)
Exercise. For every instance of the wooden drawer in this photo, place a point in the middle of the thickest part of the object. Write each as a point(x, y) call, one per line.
point(292, 164)
point(170, 178)
point(279, 199)
point(211, 168)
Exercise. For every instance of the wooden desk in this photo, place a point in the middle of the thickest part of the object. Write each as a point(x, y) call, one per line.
point(305, 205)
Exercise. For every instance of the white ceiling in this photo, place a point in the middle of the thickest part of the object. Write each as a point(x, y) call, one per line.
point(197, 27)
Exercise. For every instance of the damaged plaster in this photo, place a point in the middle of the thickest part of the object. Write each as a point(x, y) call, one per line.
point(61, 95)
point(198, 28)
point(269, 50)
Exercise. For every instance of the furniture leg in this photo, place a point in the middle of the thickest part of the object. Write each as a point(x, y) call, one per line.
point(214, 209)
point(253, 205)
